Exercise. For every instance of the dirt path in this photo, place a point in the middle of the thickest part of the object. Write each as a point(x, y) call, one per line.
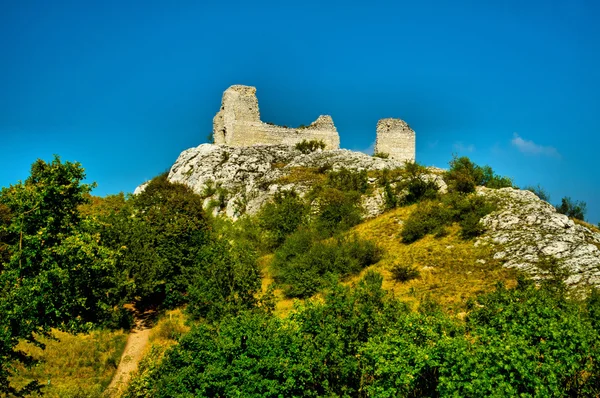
point(132, 354)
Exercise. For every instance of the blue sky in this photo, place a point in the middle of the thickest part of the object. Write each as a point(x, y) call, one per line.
point(124, 86)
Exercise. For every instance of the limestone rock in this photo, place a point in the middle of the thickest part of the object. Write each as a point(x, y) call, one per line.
point(525, 229)
point(239, 180)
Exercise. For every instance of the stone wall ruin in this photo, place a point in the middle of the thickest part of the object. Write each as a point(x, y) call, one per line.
point(238, 124)
point(395, 138)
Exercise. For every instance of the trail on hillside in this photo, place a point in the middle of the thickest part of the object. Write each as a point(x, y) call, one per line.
point(133, 352)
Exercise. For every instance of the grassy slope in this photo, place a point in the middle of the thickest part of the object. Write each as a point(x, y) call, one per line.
point(74, 365)
point(452, 269)
point(83, 365)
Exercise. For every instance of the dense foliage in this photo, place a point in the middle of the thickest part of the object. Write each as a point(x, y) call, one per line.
point(432, 217)
point(359, 341)
point(54, 272)
point(464, 175)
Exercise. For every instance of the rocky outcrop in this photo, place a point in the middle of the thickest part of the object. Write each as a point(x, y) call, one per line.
point(396, 139)
point(235, 181)
point(238, 124)
point(525, 229)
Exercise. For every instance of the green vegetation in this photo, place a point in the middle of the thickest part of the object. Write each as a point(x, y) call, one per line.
point(400, 305)
point(433, 217)
point(572, 209)
point(307, 147)
point(54, 272)
point(381, 155)
point(464, 175)
point(360, 341)
point(539, 192)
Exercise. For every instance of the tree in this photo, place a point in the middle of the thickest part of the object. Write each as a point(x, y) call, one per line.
point(159, 234)
point(56, 274)
point(572, 209)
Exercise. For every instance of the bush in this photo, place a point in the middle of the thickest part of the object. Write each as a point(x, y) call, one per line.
point(434, 216)
point(303, 264)
point(282, 216)
point(539, 191)
point(404, 273)
point(346, 180)
point(381, 155)
point(337, 210)
point(307, 147)
point(417, 184)
point(429, 217)
point(464, 175)
point(572, 209)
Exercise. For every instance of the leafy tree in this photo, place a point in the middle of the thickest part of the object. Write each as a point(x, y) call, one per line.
point(572, 209)
point(56, 273)
point(464, 175)
point(160, 233)
point(224, 281)
point(416, 184)
point(282, 217)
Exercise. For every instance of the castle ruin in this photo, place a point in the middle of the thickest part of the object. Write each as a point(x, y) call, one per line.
point(238, 124)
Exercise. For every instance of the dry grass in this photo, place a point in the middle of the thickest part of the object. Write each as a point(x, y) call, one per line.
point(452, 270)
point(169, 328)
point(591, 227)
point(75, 365)
point(303, 175)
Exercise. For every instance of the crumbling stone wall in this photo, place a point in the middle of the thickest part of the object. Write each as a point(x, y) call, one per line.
point(238, 124)
point(396, 138)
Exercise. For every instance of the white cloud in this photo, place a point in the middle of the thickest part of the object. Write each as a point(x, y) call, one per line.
point(530, 147)
point(460, 147)
point(369, 150)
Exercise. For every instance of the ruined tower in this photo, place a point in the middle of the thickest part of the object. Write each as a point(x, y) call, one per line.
point(395, 138)
point(238, 124)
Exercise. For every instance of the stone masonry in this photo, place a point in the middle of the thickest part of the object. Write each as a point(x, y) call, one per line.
point(238, 124)
point(397, 139)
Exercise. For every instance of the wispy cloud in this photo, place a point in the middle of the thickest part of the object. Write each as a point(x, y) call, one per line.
point(369, 150)
point(460, 147)
point(531, 148)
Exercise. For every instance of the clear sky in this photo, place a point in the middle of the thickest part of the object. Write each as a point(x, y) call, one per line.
point(124, 86)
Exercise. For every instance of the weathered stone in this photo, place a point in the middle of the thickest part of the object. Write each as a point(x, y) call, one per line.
point(238, 124)
point(242, 179)
point(525, 230)
point(397, 139)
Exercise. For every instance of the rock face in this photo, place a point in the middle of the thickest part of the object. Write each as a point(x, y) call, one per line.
point(397, 139)
point(238, 124)
point(241, 180)
point(526, 229)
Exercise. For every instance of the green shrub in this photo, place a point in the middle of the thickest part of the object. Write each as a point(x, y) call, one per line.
point(416, 184)
point(464, 175)
point(381, 155)
point(428, 217)
point(307, 147)
point(337, 210)
point(434, 216)
point(404, 273)
point(282, 216)
point(347, 180)
point(572, 209)
point(303, 264)
point(539, 191)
